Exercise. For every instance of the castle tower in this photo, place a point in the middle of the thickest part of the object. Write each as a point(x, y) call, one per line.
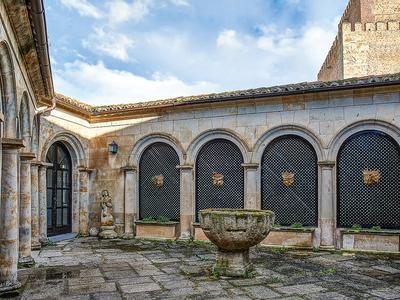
point(367, 43)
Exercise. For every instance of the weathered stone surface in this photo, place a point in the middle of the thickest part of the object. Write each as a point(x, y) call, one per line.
point(137, 273)
point(234, 231)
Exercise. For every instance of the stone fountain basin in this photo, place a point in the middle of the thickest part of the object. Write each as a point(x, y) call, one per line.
point(236, 230)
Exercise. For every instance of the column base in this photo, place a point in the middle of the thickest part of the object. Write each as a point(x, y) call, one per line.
point(44, 241)
point(327, 248)
point(9, 289)
point(233, 264)
point(185, 236)
point(128, 236)
point(36, 246)
point(26, 262)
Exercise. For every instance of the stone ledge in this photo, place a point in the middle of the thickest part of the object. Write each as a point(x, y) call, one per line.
point(370, 232)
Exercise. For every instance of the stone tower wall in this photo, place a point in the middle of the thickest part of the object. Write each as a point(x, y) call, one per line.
point(369, 43)
point(368, 37)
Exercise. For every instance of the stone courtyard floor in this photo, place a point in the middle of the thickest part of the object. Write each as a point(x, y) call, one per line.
point(86, 268)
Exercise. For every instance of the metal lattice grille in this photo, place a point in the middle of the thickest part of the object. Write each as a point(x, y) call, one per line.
point(223, 157)
point(155, 201)
point(298, 202)
point(358, 203)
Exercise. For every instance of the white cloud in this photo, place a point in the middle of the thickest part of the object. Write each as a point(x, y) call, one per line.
point(110, 43)
point(180, 2)
point(122, 11)
point(228, 39)
point(83, 7)
point(98, 85)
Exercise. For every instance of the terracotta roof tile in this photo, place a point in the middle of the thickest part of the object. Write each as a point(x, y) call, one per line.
point(234, 95)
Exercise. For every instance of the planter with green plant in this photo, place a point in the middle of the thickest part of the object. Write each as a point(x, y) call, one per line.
point(159, 227)
point(371, 238)
point(296, 235)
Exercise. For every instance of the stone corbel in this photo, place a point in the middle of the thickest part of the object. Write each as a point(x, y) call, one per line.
point(27, 156)
point(8, 143)
point(84, 169)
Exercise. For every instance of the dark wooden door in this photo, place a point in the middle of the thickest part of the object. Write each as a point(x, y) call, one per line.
point(59, 190)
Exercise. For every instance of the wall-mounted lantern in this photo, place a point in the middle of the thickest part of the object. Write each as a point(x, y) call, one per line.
point(113, 147)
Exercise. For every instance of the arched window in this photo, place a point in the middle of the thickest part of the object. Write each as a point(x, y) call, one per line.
point(219, 176)
point(289, 181)
point(368, 185)
point(59, 190)
point(159, 182)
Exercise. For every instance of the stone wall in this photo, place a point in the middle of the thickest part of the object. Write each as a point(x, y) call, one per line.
point(367, 41)
point(371, 42)
point(320, 117)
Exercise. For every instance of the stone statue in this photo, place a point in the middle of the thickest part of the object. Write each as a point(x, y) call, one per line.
point(107, 229)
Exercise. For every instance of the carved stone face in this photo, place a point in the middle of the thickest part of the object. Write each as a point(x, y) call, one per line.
point(158, 181)
point(371, 177)
point(218, 179)
point(288, 178)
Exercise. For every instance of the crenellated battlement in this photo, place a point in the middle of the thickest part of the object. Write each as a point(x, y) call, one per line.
point(330, 58)
point(378, 26)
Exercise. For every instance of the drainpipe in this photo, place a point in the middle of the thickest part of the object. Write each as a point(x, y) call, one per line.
point(39, 23)
point(46, 111)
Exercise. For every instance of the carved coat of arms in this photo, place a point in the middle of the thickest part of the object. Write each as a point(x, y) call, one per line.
point(287, 178)
point(158, 181)
point(371, 177)
point(218, 179)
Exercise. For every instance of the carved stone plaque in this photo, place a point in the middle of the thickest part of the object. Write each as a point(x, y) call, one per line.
point(218, 179)
point(288, 178)
point(371, 177)
point(158, 181)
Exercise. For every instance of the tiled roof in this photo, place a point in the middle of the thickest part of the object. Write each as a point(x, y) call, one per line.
point(305, 87)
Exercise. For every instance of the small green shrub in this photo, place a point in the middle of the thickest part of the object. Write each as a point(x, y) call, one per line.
point(163, 219)
point(50, 243)
point(296, 225)
point(148, 219)
point(356, 227)
point(376, 228)
point(328, 271)
point(276, 225)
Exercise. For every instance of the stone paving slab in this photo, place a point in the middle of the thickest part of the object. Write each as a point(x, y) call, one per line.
point(86, 268)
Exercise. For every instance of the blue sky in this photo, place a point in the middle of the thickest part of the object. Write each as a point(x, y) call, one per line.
point(126, 51)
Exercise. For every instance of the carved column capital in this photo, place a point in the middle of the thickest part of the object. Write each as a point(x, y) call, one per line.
point(328, 164)
point(185, 167)
point(128, 169)
point(253, 166)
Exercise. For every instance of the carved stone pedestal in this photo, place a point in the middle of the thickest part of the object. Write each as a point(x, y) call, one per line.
point(107, 232)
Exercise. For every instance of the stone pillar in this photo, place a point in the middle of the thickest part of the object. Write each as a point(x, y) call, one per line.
point(25, 210)
point(35, 206)
point(130, 200)
point(84, 201)
point(43, 204)
point(252, 197)
point(327, 209)
point(187, 201)
point(9, 215)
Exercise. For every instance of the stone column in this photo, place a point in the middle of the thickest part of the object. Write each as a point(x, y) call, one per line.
point(187, 201)
point(130, 200)
point(84, 201)
point(327, 209)
point(252, 197)
point(25, 210)
point(43, 203)
point(9, 215)
point(35, 205)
